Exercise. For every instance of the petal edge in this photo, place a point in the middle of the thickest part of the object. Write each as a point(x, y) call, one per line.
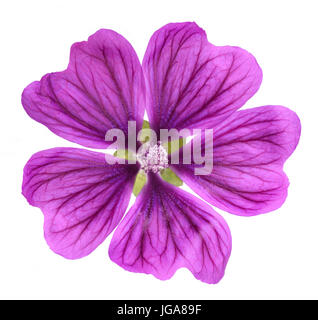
point(167, 229)
point(82, 198)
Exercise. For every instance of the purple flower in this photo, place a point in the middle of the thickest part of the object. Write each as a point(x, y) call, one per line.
point(184, 82)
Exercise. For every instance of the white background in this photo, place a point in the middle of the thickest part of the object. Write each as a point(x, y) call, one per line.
point(274, 255)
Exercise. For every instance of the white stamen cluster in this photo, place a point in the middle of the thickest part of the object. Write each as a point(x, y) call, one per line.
point(152, 157)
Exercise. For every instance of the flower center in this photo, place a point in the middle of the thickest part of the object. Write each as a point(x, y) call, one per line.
point(152, 157)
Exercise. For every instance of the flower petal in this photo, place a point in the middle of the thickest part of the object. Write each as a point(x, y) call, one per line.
point(167, 229)
point(192, 83)
point(82, 197)
point(249, 151)
point(102, 88)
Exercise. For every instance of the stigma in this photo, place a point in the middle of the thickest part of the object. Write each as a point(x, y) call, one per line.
point(152, 157)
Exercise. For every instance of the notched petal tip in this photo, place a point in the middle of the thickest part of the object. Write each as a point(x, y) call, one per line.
point(167, 229)
point(102, 88)
point(81, 196)
point(292, 127)
point(192, 83)
point(249, 151)
point(176, 26)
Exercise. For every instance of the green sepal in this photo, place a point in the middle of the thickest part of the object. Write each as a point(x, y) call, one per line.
point(140, 181)
point(124, 154)
point(174, 145)
point(169, 176)
point(144, 137)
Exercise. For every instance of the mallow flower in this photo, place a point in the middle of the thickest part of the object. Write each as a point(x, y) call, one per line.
point(184, 82)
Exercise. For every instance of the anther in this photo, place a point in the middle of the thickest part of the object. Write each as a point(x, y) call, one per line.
point(152, 157)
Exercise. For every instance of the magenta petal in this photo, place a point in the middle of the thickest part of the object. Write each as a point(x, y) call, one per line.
point(250, 149)
point(192, 83)
point(167, 229)
point(82, 197)
point(102, 88)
